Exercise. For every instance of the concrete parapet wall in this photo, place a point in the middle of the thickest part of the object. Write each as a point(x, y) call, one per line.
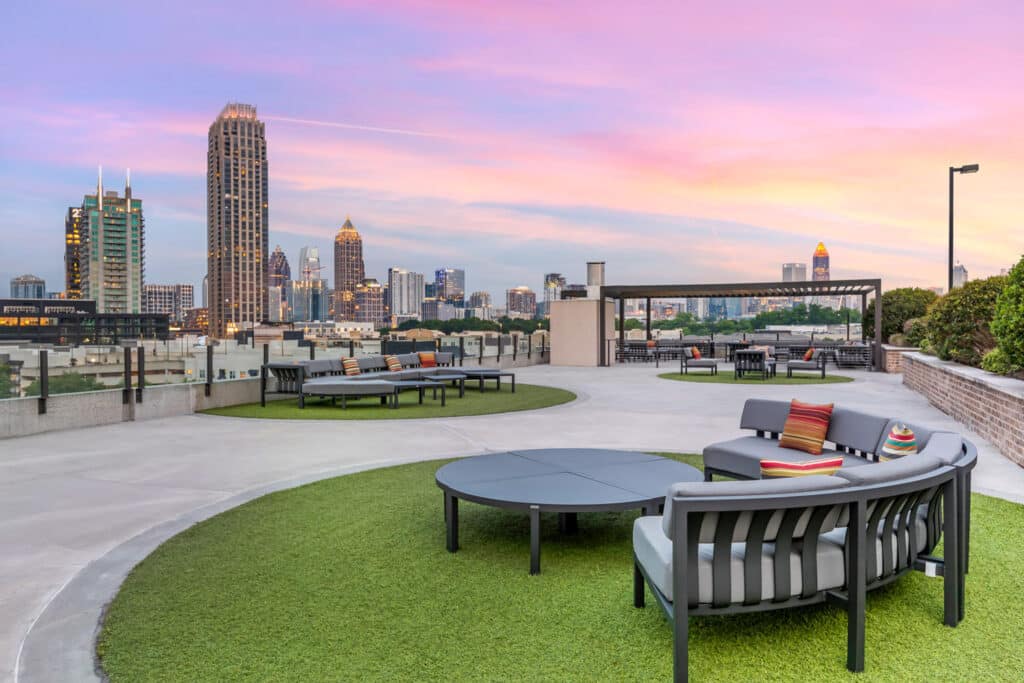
point(988, 404)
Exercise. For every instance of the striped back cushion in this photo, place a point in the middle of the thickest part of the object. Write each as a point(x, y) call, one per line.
point(900, 442)
point(777, 468)
point(428, 359)
point(809, 355)
point(806, 427)
point(350, 366)
point(394, 365)
point(696, 352)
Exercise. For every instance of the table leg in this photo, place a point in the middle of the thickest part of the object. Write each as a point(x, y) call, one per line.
point(481, 384)
point(568, 523)
point(534, 539)
point(443, 398)
point(462, 387)
point(513, 384)
point(451, 518)
point(421, 395)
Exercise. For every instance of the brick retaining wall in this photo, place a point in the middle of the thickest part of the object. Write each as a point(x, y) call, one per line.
point(892, 357)
point(988, 404)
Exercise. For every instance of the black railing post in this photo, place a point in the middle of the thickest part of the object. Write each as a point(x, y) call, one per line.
point(501, 339)
point(126, 393)
point(515, 347)
point(44, 380)
point(529, 346)
point(482, 338)
point(312, 351)
point(384, 346)
point(209, 368)
point(263, 375)
point(141, 353)
point(462, 350)
point(351, 348)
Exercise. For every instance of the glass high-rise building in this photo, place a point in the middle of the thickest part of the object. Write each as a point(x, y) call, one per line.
point(794, 272)
point(820, 263)
point(553, 285)
point(174, 300)
point(405, 293)
point(279, 277)
point(73, 253)
point(237, 220)
point(112, 254)
point(450, 285)
point(28, 287)
point(349, 270)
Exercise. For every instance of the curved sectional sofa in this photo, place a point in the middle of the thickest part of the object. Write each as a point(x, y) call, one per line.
point(762, 544)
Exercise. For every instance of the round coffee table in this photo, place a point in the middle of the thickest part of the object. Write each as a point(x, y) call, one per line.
point(562, 480)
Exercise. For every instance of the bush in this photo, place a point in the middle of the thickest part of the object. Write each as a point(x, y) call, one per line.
point(68, 383)
point(958, 323)
point(898, 306)
point(898, 339)
point(998, 362)
point(1008, 320)
point(914, 331)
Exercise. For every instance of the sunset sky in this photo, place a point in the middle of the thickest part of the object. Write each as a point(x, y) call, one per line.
point(677, 141)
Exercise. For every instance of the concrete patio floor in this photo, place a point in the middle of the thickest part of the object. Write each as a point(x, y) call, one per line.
point(71, 503)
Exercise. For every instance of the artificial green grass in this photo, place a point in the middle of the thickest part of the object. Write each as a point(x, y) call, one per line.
point(475, 402)
point(348, 579)
point(703, 376)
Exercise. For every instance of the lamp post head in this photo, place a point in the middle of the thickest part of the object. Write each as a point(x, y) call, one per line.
point(968, 168)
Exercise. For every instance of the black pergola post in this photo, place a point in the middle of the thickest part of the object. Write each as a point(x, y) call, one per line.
point(602, 355)
point(622, 323)
point(863, 313)
point(648, 307)
point(878, 325)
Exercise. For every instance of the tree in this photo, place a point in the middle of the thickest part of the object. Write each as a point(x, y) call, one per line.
point(898, 306)
point(958, 323)
point(68, 383)
point(6, 385)
point(1008, 323)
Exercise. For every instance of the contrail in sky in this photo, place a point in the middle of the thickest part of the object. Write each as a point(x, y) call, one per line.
point(354, 126)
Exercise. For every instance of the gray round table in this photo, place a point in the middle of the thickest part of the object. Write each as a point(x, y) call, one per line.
point(562, 480)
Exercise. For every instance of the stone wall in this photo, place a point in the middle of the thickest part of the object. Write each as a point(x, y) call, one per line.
point(988, 404)
point(892, 357)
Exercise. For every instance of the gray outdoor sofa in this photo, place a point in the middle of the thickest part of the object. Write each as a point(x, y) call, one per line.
point(815, 364)
point(725, 547)
point(687, 361)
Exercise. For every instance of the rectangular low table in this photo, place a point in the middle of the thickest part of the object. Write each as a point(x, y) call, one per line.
point(420, 385)
point(458, 378)
point(486, 374)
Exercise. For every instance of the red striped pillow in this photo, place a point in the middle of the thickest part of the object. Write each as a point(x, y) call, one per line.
point(806, 427)
point(777, 468)
point(350, 365)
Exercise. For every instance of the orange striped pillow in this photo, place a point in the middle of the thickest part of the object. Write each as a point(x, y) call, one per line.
point(394, 365)
point(350, 365)
point(777, 468)
point(427, 359)
point(806, 427)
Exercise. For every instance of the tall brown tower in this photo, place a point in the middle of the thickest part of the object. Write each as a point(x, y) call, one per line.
point(349, 270)
point(237, 220)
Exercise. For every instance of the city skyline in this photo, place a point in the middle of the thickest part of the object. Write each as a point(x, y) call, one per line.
point(460, 147)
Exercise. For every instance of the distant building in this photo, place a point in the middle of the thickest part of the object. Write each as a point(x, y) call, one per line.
point(28, 287)
point(278, 306)
point(436, 309)
point(197, 320)
point(450, 285)
point(111, 256)
point(349, 270)
point(959, 275)
point(279, 280)
point(937, 290)
point(429, 290)
point(73, 224)
point(369, 303)
point(279, 273)
point(521, 302)
point(206, 291)
point(75, 321)
point(553, 284)
point(174, 300)
point(405, 293)
point(698, 308)
point(480, 300)
point(820, 263)
point(237, 222)
point(308, 300)
point(794, 272)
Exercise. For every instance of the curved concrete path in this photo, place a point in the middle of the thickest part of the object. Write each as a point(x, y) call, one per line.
point(79, 509)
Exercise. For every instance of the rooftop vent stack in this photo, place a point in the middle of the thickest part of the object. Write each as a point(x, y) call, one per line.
point(595, 278)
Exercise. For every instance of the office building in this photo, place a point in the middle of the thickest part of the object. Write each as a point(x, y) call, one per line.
point(309, 300)
point(206, 291)
point(197, 321)
point(173, 300)
point(73, 223)
point(450, 285)
point(520, 302)
point(28, 287)
point(819, 263)
point(405, 293)
point(438, 309)
point(794, 272)
point(349, 270)
point(279, 273)
point(279, 279)
point(368, 303)
point(111, 254)
point(959, 275)
point(237, 221)
point(553, 285)
point(480, 299)
point(75, 321)
point(697, 307)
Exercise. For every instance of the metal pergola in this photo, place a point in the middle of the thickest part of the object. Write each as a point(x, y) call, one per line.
point(744, 289)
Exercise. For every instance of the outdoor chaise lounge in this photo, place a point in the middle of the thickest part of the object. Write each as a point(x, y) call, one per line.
point(687, 361)
point(815, 364)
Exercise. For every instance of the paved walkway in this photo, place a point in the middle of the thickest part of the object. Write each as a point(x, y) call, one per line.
point(68, 499)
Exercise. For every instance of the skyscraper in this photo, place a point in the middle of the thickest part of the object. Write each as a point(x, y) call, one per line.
point(112, 253)
point(279, 273)
point(820, 263)
point(553, 284)
point(479, 299)
point(28, 287)
point(279, 277)
point(450, 285)
point(405, 291)
point(521, 302)
point(237, 219)
point(73, 253)
point(349, 270)
point(309, 292)
point(368, 303)
point(794, 272)
point(959, 275)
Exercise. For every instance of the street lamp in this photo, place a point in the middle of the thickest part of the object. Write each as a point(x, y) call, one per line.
point(968, 168)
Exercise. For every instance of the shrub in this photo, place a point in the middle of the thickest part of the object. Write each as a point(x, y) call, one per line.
point(898, 339)
point(68, 383)
point(998, 362)
point(1008, 320)
point(958, 323)
point(914, 331)
point(898, 306)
